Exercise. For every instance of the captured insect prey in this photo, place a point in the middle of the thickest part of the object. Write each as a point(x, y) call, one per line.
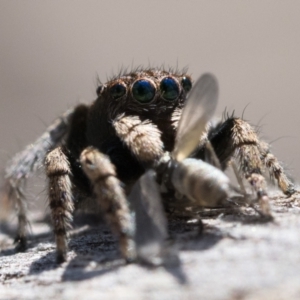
point(148, 148)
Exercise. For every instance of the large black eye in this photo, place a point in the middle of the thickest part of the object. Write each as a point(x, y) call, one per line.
point(143, 91)
point(169, 89)
point(118, 90)
point(186, 83)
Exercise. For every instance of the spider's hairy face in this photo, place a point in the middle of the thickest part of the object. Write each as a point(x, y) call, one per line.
point(135, 117)
point(151, 93)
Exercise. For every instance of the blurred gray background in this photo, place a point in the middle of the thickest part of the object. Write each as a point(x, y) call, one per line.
point(51, 53)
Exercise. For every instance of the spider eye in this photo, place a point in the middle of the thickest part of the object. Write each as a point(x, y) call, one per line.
point(143, 91)
point(186, 83)
point(118, 90)
point(99, 90)
point(169, 89)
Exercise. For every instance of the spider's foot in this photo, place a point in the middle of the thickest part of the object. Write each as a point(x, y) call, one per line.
point(61, 257)
point(21, 243)
point(129, 251)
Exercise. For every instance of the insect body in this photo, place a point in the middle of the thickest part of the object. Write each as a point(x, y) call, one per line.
point(102, 150)
point(203, 183)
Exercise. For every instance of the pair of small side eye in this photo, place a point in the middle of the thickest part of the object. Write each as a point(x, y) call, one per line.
point(144, 91)
point(170, 90)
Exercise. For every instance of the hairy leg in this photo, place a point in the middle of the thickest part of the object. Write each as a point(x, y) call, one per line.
point(60, 198)
point(111, 197)
point(236, 138)
point(143, 138)
point(24, 164)
point(15, 191)
point(276, 170)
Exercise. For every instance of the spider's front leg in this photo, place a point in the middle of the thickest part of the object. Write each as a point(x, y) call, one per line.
point(111, 197)
point(60, 198)
point(143, 138)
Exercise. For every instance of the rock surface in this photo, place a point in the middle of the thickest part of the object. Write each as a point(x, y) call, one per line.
point(236, 257)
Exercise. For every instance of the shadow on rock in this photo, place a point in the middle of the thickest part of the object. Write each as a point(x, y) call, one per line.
point(45, 263)
point(93, 251)
point(32, 240)
point(96, 253)
point(84, 267)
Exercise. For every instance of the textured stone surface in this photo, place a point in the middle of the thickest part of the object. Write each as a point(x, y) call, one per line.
point(236, 257)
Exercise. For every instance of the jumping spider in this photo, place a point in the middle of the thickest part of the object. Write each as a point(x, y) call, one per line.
point(139, 122)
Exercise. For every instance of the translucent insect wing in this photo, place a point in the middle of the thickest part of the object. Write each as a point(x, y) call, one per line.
point(151, 224)
point(199, 109)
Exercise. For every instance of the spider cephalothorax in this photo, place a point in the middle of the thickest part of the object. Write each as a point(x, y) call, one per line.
point(100, 151)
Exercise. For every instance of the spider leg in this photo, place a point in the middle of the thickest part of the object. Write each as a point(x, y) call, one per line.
point(235, 138)
point(276, 170)
point(111, 198)
point(17, 192)
point(143, 138)
point(24, 164)
point(60, 198)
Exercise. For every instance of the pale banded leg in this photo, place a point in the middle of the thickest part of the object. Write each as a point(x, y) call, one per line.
point(60, 198)
point(111, 198)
